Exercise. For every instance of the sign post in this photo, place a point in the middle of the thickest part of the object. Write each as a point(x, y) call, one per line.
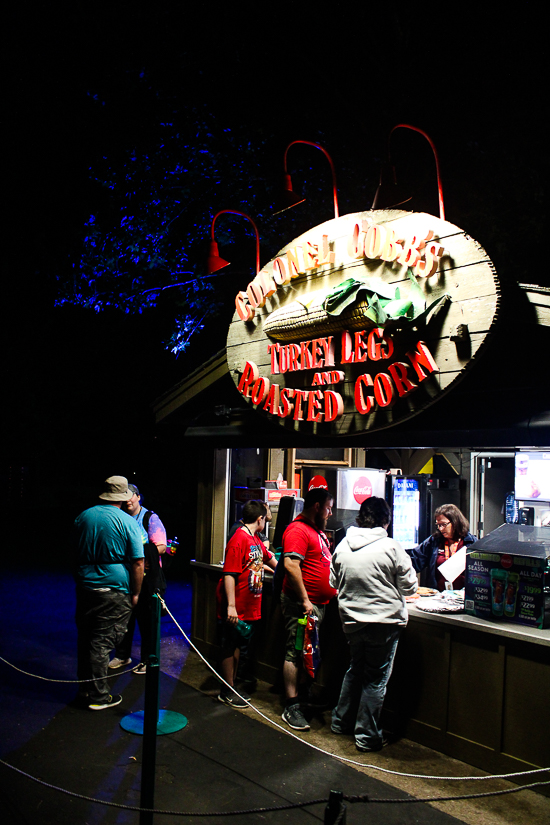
point(152, 722)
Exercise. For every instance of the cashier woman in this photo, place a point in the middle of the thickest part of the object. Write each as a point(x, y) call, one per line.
point(451, 533)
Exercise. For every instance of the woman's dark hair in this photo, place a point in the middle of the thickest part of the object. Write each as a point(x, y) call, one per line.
point(252, 510)
point(461, 526)
point(374, 512)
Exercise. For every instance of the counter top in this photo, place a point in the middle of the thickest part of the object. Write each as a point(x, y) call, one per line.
point(207, 565)
point(521, 632)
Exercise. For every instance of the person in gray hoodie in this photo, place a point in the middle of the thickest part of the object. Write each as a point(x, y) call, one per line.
point(372, 574)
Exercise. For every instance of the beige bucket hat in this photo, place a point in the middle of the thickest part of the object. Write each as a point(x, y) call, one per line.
point(116, 489)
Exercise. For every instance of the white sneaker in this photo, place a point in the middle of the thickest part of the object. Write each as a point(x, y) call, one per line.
point(116, 662)
point(112, 701)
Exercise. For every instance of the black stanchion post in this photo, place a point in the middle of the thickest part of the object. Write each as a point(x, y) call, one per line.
point(151, 715)
point(335, 812)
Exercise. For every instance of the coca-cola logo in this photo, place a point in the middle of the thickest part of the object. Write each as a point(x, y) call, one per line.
point(317, 482)
point(506, 561)
point(362, 489)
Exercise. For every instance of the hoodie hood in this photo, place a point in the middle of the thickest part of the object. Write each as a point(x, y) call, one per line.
point(359, 537)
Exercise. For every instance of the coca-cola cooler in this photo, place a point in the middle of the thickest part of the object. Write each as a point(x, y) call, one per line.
point(352, 488)
point(414, 500)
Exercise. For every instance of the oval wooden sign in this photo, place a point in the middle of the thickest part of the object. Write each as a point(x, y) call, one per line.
point(362, 322)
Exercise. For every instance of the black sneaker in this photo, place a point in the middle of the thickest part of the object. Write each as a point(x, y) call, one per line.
point(110, 703)
point(367, 749)
point(294, 718)
point(233, 699)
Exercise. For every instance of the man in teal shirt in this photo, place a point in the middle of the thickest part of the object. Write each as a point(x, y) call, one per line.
point(109, 558)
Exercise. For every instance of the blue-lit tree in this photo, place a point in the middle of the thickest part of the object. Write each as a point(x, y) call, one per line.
point(147, 231)
point(149, 234)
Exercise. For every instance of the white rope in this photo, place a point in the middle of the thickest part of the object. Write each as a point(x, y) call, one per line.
point(276, 808)
point(278, 726)
point(68, 681)
point(335, 755)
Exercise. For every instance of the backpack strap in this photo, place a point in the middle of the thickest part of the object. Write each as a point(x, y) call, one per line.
point(154, 581)
point(146, 520)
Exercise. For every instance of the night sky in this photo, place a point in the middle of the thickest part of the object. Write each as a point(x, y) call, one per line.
point(78, 385)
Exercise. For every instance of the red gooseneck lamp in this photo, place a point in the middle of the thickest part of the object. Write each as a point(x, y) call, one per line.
point(214, 262)
point(389, 193)
point(289, 198)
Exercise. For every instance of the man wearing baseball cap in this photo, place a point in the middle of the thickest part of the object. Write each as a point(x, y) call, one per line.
point(153, 536)
point(109, 560)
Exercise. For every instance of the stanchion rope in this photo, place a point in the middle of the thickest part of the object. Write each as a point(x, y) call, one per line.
point(285, 730)
point(67, 681)
point(289, 806)
point(335, 755)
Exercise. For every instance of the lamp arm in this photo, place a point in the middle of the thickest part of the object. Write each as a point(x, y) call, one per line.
point(430, 141)
point(244, 215)
point(328, 157)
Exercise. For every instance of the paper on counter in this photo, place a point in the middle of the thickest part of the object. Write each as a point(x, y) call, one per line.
point(453, 567)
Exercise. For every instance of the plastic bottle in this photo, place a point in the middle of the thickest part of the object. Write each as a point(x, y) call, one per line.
point(300, 633)
point(244, 628)
point(499, 580)
point(510, 599)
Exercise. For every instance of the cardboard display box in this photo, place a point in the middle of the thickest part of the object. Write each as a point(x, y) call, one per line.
point(508, 576)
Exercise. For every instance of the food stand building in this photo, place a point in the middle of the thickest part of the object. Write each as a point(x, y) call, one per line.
point(383, 339)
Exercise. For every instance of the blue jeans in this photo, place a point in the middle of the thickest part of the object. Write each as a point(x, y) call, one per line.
point(372, 651)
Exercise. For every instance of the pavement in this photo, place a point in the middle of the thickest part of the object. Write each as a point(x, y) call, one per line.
point(223, 760)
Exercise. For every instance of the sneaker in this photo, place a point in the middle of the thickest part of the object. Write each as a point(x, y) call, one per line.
point(233, 699)
point(294, 718)
point(116, 662)
point(140, 669)
point(367, 749)
point(110, 703)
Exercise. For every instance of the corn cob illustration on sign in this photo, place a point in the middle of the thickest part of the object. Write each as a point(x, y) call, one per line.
point(362, 322)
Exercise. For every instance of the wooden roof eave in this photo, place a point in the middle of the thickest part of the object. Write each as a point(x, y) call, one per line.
point(191, 386)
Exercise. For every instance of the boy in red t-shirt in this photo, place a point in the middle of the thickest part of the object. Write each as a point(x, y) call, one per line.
point(240, 594)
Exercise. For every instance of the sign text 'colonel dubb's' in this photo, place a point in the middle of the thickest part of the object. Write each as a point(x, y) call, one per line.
point(362, 322)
